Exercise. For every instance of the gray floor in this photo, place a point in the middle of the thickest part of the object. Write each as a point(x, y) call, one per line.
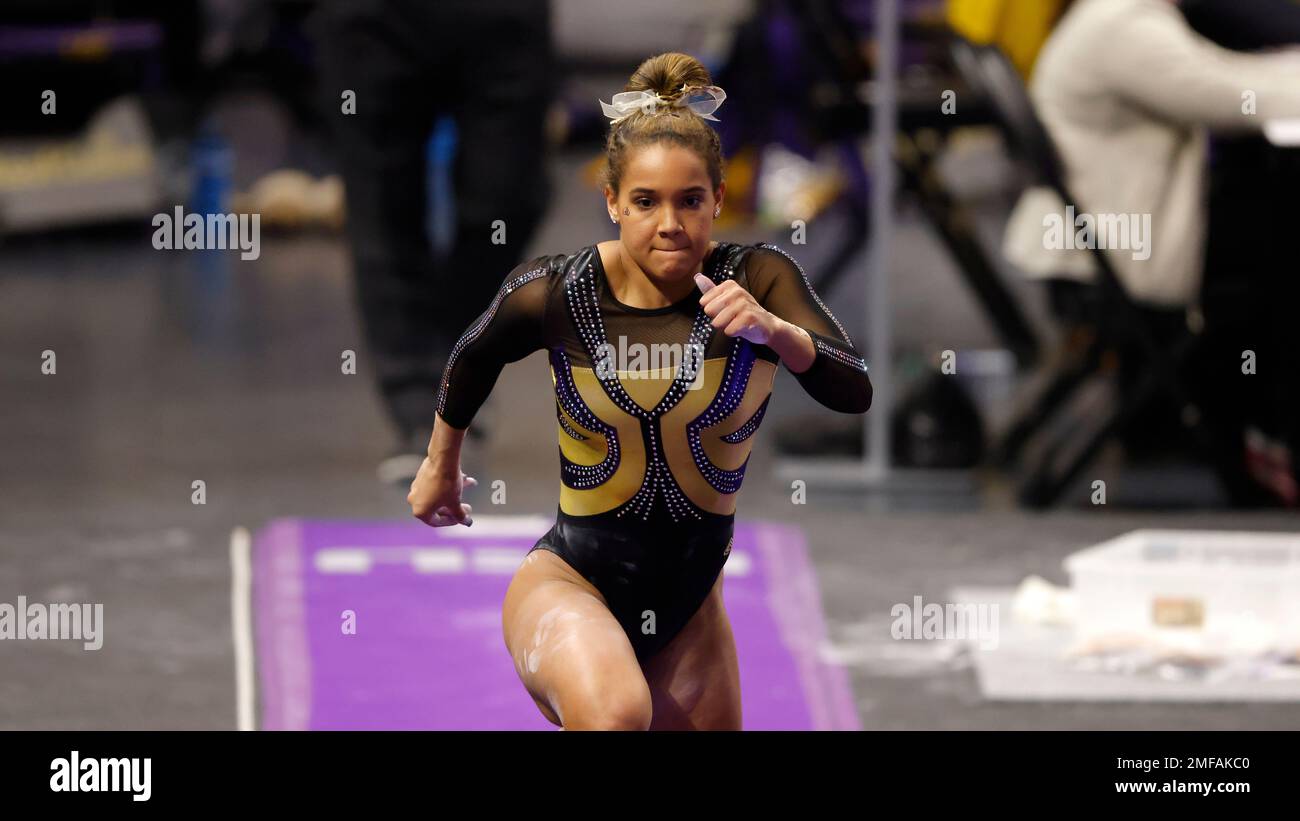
point(175, 366)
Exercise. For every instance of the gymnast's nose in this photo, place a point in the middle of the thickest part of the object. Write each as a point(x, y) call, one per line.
point(669, 223)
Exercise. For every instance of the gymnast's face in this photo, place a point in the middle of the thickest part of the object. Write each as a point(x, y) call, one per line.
point(664, 209)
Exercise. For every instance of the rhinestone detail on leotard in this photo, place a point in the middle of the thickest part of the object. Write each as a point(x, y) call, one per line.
point(582, 477)
point(746, 430)
point(739, 366)
point(477, 328)
point(583, 299)
point(855, 362)
point(808, 285)
point(571, 431)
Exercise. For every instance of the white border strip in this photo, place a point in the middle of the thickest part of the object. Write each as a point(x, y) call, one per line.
point(241, 626)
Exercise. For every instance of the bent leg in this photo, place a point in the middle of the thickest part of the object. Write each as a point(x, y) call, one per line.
point(569, 651)
point(695, 680)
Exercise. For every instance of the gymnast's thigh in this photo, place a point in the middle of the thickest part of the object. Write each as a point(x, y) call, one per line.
point(695, 680)
point(569, 651)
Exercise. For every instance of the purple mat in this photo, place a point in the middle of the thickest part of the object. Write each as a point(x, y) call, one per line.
point(428, 651)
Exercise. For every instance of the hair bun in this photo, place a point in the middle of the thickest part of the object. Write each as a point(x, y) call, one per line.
point(681, 120)
point(666, 74)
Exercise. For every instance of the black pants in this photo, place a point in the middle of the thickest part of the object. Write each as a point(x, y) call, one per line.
point(1244, 25)
point(1251, 292)
point(489, 65)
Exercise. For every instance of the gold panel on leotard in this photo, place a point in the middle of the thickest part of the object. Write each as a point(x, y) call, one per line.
point(723, 454)
point(647, 392)
point(647, 388)
point(589, 452)
point(627, 479)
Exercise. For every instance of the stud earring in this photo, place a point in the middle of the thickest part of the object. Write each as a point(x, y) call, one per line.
point(717, 212)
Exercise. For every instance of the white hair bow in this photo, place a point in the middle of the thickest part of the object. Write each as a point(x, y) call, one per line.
point(703, 100)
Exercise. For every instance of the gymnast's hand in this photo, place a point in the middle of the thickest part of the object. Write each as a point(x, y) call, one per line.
point(436, 493)
point(736, 312)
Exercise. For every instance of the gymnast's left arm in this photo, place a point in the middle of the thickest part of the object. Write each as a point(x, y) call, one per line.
point(809, 339)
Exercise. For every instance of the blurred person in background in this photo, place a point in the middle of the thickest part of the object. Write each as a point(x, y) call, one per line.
point(1250, 286)
point(487, 64)
point(1130, 93)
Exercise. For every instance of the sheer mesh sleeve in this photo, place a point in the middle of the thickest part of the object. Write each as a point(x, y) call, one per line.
point(510, 329)
point(837, 377)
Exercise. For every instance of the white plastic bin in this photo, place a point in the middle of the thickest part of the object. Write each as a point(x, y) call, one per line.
point(1213, 592)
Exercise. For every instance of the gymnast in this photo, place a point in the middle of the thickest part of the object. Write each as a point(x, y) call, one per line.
point(615, 618)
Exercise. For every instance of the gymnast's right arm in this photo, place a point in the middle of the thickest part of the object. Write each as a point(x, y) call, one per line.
point(510, 329)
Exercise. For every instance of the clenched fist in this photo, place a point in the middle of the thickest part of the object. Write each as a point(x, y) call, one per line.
point(435, 495)
point(736, 312)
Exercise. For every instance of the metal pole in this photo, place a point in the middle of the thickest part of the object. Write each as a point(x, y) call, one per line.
point(884, 120)
point(871, 473)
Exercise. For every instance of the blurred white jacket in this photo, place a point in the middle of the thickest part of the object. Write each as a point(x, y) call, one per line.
point(1128, 91)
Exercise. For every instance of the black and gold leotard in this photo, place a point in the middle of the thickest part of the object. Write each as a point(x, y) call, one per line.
point(656, 414)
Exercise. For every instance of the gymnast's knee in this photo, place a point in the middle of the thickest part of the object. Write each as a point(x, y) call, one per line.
point(623, 707)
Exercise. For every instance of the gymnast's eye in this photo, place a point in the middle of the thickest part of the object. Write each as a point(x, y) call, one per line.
point(694, 200)
point(640, 200)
